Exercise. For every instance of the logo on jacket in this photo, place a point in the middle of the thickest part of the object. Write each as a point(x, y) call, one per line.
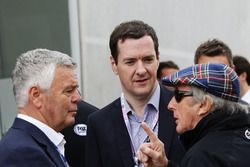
point(247, 134)
point(80, 129)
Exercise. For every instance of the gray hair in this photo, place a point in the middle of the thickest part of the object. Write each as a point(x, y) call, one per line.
point(37, 67)
point(219, 103)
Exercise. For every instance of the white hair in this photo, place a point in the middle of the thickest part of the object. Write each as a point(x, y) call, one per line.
point(219, 103)
point(37, 67)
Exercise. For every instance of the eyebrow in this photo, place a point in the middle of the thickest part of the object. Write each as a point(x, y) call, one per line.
point(149, 56)
point(72, 87)
point(132, 58)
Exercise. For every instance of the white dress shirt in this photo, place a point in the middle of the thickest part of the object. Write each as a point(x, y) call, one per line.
point(56, 138)
point(246, 97)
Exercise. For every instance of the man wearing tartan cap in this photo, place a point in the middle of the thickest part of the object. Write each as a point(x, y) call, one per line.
point(212, 121)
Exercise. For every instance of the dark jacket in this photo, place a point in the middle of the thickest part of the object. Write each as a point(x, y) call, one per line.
point(75, 135)
point(26, 145)
point(220, 139)
point(108, 141)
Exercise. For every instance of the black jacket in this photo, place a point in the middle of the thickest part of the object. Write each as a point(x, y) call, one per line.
point(108, 142)
point(220, 139)
point(26, 145)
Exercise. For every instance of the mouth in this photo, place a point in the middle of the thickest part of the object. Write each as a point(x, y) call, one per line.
point(176, 120)
point(141, 81)
point(73, 111)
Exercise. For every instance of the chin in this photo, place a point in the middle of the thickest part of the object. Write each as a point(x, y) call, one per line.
point(143, 92)
point(70, 120)
point(179, 131)
point(71, 115)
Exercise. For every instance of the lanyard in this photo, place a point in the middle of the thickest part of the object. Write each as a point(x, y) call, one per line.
point(126, 120)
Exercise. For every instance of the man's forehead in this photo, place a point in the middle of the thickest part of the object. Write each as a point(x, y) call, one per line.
point(215, 59)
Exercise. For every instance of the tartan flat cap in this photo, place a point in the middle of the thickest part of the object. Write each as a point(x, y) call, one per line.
point(217, 79)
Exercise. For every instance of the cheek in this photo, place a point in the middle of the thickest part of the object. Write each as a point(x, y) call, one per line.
point(152, 70)
point(126, 78)
point(182, 123)
point(123, 73)
point(185, 121)
point(66, 103)
point(62, 104)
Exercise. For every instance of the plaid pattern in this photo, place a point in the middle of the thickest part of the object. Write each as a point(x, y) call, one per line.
point(217, 79)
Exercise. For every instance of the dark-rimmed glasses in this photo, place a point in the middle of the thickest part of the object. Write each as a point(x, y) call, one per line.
point(178, 94)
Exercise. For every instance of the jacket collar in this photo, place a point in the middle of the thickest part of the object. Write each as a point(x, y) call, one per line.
point(40, 138)
point(166, 121)
point(215, 121)
point(123, 139)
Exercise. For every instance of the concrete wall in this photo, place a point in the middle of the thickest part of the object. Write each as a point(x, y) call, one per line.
point(8, 109)
point(181, 26)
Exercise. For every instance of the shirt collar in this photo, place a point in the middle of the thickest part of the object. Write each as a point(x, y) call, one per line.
point(55, 137)
point(154, 100)
point(246, 97)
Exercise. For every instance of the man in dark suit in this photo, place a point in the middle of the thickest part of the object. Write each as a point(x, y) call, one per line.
point(45, 89)
point(76, 134)
point(115, 132)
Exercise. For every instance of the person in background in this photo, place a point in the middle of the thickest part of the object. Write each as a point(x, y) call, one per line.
point(213, 51)
point(242, 68)
point(213, 124)
point(165, 68)
point(115, 132)
point(76, 135)
point(45, 88)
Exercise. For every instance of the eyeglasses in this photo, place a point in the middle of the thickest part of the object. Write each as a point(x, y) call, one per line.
point(178, 94)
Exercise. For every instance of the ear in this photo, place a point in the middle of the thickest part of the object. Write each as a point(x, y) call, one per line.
point(205, 106)
point(158, 56)
point(36, 96)
point(243, 76)
point(113, 64)
point(233, 66)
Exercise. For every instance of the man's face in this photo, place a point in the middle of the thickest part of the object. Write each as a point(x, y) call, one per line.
point(60, 102)
point(136, 66)
point(216, 59)
point(185, 111)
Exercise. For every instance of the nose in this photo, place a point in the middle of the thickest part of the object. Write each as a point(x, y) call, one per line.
point(172, 104)
point(140, 70)
point(76, 97)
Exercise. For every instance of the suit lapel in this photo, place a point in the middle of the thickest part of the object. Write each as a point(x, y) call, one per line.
point(53, 154)
point(40, 138)
point(166, 123)
point(165, 131)
point(122, 135)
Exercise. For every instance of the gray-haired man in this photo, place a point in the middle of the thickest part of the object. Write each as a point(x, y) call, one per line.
point(45, 88)
point(213, 124)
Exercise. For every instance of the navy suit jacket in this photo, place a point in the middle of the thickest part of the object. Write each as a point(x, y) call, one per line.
point(108, 141)
point(75, 135)
point(26, 145)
